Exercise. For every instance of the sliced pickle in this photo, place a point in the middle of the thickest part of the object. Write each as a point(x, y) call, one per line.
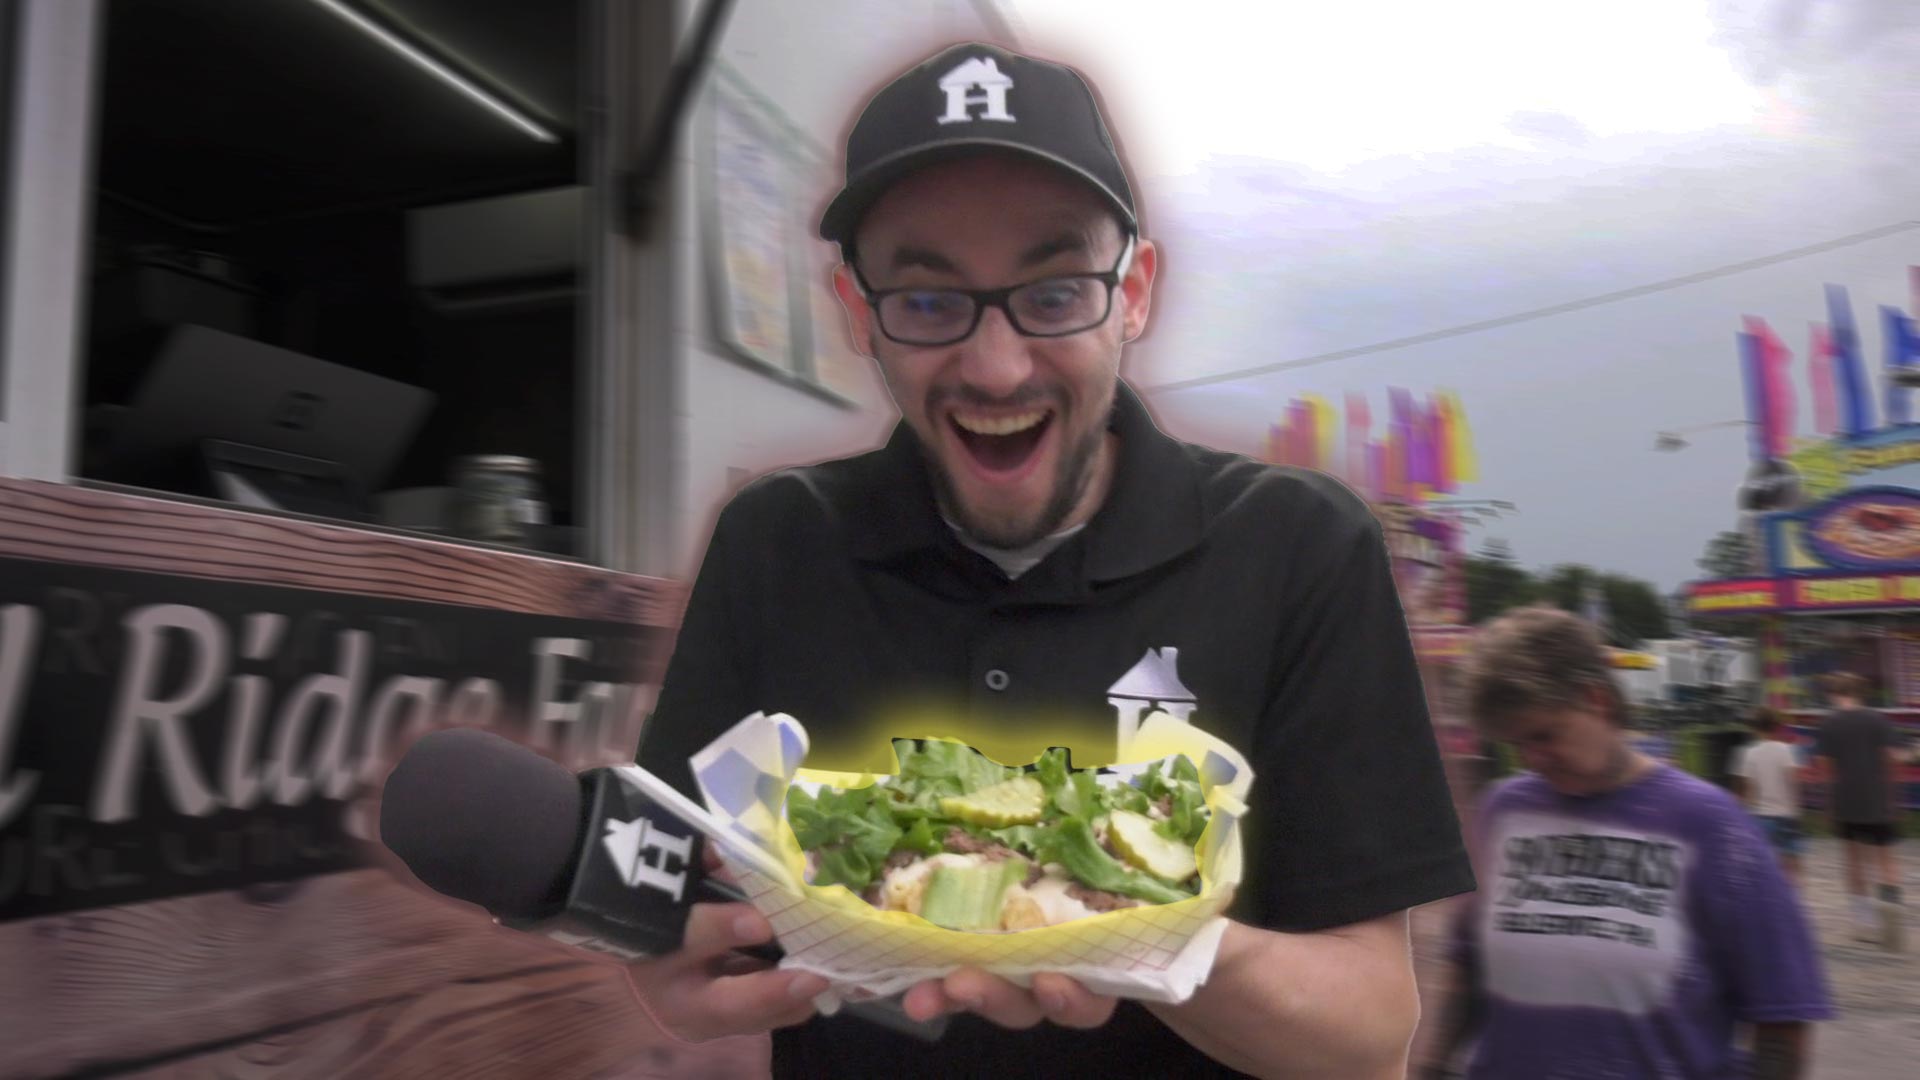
point(1136, 840)
point(1019, 801)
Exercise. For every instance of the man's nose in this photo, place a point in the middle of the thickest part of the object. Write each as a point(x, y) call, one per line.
point(995, 360)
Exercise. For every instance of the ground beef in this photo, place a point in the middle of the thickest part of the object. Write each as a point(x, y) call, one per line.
point(962, 842)
point(1034, 874)
point(872, 895)
point(900, 860)
point(1097, 900)
point(1165, 806)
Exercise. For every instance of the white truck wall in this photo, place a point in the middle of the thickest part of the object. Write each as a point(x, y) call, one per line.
point(816, 63)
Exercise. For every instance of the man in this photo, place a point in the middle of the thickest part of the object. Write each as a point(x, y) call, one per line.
point(1631, 917)
point(1030, 562)
point(1857, 750)
point(1767, 775)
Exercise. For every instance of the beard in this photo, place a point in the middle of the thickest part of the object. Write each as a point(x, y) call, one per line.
point(1013, 529)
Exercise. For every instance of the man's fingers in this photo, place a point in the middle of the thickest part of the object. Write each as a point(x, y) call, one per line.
point(926, 1001)
point(994, 998)
point(760, 1001)
point(713, 929)
point(716, 867)
point(1070, 1004)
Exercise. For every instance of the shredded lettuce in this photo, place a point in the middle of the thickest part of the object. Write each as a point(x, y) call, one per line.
point(853, 832)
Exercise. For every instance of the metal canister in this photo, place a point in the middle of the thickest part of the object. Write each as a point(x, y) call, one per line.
point(497, 498)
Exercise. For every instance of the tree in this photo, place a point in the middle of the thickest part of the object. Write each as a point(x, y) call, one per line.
point(1637, 609)
point(1634, 610)
point(1730, 554)
point(1495, 582)
point(1565, 586)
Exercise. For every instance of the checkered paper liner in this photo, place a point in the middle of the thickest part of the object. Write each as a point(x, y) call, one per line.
point(1155, 952)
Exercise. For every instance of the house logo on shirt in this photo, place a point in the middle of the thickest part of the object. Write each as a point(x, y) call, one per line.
point(1151, 685)
point(979, 81)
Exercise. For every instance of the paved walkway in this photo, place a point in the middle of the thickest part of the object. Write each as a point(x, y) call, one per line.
point(1877, 993)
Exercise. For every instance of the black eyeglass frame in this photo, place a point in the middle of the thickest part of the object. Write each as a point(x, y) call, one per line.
point(986, 298)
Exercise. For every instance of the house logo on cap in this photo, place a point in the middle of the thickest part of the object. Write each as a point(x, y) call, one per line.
point(1152, 685)
point(978, 74)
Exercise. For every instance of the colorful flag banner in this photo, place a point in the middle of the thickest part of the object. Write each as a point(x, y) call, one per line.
point(1753, 375)
point(1466, 467)
point(1903, 351)
point(1855, 396)
point(1775, 360)
point(1820, 376)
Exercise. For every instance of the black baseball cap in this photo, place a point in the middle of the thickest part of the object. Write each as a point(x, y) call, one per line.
point(970, 98)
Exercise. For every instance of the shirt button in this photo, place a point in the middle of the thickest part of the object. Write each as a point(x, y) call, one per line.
point(997, 679)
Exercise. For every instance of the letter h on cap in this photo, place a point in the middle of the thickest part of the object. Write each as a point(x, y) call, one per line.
point(979, 72)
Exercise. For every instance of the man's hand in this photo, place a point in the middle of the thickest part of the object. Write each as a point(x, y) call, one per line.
point(1054, 998)
point(707, 991)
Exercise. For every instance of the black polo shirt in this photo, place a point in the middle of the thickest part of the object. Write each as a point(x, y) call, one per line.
point(1255, 600)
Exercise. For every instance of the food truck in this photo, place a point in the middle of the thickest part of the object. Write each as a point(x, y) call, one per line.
point(368, 369)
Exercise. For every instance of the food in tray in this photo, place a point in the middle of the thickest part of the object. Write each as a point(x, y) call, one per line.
point(972, 845)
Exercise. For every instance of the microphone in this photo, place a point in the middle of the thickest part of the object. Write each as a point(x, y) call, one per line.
point(587, 860)
point(592, 861)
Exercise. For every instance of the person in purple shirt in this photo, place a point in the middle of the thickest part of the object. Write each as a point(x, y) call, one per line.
point(1631, 919)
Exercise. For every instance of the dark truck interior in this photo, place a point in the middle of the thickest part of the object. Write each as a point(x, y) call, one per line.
point(290, 173)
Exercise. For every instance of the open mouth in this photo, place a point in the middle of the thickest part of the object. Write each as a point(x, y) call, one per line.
point(1002, 444)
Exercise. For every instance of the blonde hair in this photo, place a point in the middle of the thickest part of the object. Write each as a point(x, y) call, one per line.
point(1846, 684)
point(1534, 658)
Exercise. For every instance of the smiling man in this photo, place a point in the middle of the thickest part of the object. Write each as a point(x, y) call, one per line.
point(1032, 561)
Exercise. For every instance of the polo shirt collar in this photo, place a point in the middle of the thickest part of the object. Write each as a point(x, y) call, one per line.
point(1153, 513)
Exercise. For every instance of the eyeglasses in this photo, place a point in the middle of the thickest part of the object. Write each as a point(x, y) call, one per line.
point(1050, 307)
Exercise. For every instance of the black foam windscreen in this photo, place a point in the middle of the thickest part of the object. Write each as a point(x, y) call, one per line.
point(483, 819)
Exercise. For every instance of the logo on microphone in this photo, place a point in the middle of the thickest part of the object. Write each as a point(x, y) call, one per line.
point(982, 74)
point(641, 852)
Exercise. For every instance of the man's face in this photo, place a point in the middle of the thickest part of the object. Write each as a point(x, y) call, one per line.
point(1578, 750)
point(1013, 427)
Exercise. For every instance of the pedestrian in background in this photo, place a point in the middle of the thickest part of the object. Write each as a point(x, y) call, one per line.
point(1631, 919)
point(1858, 752)
point(1766, 776)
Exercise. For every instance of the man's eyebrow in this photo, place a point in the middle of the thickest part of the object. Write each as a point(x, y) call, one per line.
point(925, 258)
point(1069, 243)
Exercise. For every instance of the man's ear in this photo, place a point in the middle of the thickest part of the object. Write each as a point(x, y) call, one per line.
point(859, 312)
point(1136, 289)
point(1608, 703)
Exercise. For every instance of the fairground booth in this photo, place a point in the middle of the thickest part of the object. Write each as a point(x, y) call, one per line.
point(1412, 477)
point(1835, 520)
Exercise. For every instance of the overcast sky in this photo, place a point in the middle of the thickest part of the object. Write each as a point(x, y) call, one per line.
point(1331, 176)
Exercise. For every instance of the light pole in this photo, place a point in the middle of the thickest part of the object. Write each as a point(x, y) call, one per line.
point(1675, 439)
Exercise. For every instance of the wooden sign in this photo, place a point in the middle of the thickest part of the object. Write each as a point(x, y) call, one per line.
point(197, 707)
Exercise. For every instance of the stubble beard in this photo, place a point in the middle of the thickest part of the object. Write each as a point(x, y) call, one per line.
point(1006, 531)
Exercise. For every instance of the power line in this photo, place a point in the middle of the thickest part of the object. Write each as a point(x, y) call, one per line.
point(1464, 329)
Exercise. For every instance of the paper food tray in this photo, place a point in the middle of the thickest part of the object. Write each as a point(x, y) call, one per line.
point(1154, 952)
